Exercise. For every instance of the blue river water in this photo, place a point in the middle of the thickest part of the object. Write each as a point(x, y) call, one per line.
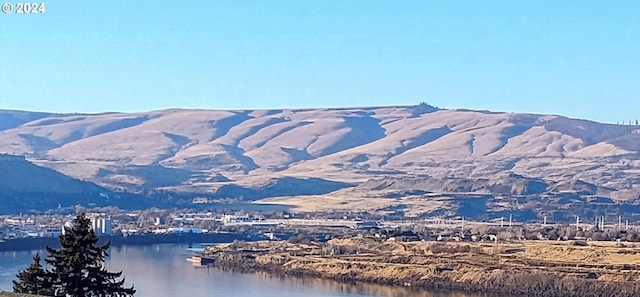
point(162, 270)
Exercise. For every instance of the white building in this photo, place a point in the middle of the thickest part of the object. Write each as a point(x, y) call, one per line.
point(101, 225)
point(233, 219)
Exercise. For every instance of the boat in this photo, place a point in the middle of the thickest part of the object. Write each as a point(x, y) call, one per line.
point(200, 260)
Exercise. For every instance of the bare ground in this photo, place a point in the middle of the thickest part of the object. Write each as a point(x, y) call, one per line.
point(533, 268)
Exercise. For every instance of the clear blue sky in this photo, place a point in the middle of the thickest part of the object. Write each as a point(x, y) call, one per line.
point(575, 58)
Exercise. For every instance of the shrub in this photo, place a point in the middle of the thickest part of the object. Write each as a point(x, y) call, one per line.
point(443, 248)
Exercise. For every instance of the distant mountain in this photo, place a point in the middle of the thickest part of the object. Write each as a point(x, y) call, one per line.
point(25, 186)
point(227, 152)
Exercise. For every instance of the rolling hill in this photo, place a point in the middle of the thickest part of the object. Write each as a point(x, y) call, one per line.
point(25, 187)
point(334, 152)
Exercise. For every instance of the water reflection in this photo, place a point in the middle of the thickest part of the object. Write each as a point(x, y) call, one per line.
point(363, 289)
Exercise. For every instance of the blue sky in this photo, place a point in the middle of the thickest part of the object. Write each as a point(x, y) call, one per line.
point(574, 58)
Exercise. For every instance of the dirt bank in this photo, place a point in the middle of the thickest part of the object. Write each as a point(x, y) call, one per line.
point(527, 268)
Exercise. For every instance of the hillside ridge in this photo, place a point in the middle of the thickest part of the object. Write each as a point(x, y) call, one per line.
point(25, 186)
point(203, 151)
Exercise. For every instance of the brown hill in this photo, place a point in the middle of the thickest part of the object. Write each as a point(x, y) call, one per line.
point(459, 150)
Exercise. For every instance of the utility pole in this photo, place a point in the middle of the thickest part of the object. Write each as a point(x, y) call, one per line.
point(619, 222)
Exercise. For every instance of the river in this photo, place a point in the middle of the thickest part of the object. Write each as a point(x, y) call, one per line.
point(162, 270)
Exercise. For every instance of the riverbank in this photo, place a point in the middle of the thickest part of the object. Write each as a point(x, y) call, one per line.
point(22, 244)
point(534, 268)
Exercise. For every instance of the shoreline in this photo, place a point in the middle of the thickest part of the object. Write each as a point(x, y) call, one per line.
point(22, 244)
point(427, 265)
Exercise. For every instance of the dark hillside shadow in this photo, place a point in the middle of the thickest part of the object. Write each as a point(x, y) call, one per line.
point(363, 130)
point(10, 119)
point(420, 140)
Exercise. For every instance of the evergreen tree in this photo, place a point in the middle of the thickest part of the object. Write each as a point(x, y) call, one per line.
point(78, 266)
point(33, 280)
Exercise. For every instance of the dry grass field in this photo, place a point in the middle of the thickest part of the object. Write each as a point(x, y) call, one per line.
point(546, 267)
